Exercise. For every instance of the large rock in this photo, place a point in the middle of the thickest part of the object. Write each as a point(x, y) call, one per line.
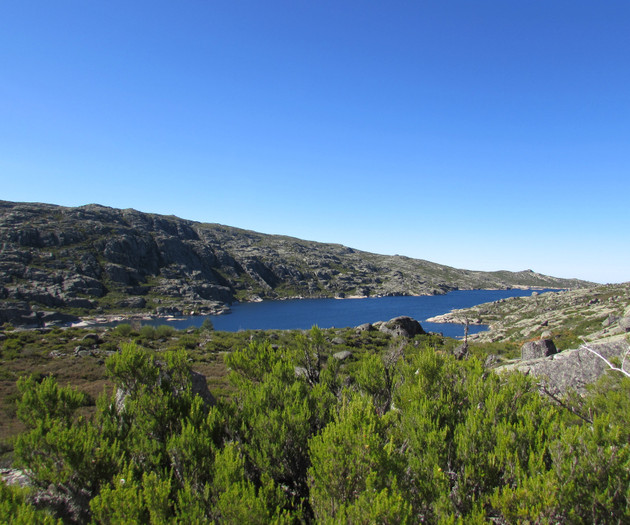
point(343, 355)
point(573, 369)
point(402, 326)
point(538, 349)
point(624, 324)
point(365, 327)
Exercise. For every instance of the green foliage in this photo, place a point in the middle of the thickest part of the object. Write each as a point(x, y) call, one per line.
point(124, 329)
point(148, 332)
point(11, 348)
point(58, 448)
point(187, 341)
point(253, 362)
point(404, 433)
point(45, 403)
point(371, 506)
point(132, 367)
point(349, 458)
point(275, 413)
point(164, 331)
point(14, 508)
point(378, 375)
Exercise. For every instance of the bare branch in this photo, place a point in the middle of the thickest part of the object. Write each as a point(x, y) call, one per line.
point(564, 405)
point(610, 365)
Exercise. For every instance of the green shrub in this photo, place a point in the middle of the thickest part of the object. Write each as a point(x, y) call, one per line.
point(405, 435)
point(11, 348)
point(148, 332)
point(164, 331)
point(123, 329)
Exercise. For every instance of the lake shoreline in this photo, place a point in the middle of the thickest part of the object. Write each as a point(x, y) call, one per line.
point(303, 313)
point(155, 319)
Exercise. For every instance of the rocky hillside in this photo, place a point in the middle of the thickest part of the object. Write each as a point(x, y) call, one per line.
point(592, 313)
point(94, 259)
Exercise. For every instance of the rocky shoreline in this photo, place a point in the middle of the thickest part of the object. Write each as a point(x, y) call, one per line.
point(600, 311)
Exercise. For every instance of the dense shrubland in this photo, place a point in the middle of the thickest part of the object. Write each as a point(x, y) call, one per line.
point(401, 433)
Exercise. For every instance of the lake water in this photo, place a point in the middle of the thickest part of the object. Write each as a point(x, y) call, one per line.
point(328, 313)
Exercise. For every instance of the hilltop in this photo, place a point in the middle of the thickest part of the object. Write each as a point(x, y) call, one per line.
point(92, 260)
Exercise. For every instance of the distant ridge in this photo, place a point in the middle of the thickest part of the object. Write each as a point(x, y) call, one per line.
point(94, 260)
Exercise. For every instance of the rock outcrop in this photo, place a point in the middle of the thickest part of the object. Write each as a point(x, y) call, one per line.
point(402, 326)
point(538, 349)
point(574, 369)
point(596, 312)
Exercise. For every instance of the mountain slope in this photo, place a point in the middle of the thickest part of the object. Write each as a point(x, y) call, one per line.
point(97, 259)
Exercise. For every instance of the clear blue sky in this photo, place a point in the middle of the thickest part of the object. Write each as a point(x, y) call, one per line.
point(484, 135)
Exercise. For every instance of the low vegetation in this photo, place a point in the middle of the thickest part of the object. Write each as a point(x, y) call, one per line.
point(568, 316)
point(396, 431)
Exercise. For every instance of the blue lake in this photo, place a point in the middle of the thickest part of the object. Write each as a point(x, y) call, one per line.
point(328, 313)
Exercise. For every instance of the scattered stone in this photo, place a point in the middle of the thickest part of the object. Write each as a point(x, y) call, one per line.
point(342, 356)
point(491, 361)
point(338, 341)
point(538, 349)
point(14, 476)
point(91, 339)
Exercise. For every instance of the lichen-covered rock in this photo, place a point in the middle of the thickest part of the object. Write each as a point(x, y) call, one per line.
point(573, 369)
point(13, 476)
point(366, 327)
point(611, 319)
point(537, 349)
point(491, 361)
point(91, 338)
point(342, 356)
point(402, 326)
